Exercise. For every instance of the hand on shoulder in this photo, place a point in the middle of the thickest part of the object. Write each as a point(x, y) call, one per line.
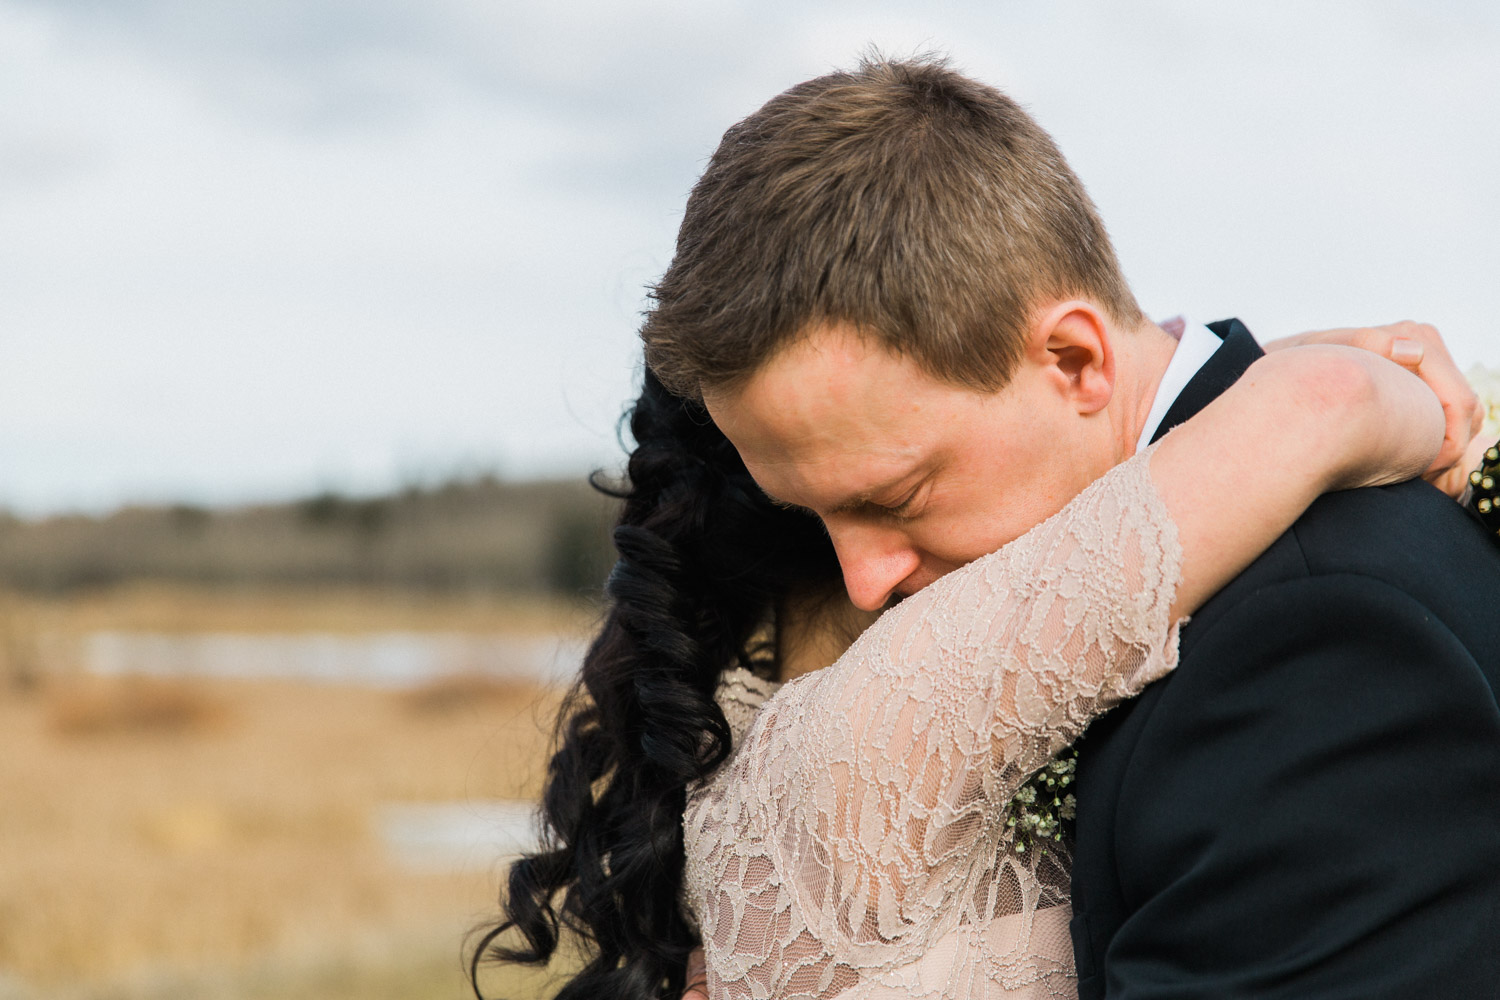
point(1419, 348)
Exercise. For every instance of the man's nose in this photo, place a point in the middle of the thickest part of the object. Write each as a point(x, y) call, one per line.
point(875, 561)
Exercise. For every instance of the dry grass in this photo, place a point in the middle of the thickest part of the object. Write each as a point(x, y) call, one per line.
point(131, 705)
point(460, 693)
point(157, 607)
point(217, 835)
point(378, 970)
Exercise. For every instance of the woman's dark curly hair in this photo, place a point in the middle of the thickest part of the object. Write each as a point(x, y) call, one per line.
point(704, 558)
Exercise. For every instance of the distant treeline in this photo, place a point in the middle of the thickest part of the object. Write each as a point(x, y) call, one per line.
point(481, 534)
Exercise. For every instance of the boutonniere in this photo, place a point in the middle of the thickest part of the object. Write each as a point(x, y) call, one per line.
point(1484, 482)
point(1484, 489)
point(1038, 810)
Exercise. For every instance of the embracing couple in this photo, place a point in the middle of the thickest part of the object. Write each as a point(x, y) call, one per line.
point(894, 368)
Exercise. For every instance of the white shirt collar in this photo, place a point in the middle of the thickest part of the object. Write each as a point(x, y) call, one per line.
point(1196, 345)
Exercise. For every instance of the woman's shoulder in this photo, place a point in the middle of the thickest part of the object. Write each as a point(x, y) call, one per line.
point(741, 695)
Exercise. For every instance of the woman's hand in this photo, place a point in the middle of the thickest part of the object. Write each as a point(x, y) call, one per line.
point(1419, 348)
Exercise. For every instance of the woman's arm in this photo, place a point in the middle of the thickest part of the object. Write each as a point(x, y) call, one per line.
point(813, 629)
point(1299, 423)
point(1419, 348)
point(1078, 612)
point(875, 788)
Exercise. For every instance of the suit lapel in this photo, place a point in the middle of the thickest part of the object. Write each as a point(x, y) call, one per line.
point(1228, 363)
point(1097, 915)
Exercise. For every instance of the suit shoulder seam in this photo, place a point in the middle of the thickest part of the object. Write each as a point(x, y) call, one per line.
point(1314, 578)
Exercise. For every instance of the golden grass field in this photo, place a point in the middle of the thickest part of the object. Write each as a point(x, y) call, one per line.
point(214, 838)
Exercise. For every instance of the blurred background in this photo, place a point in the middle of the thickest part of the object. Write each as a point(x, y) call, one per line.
point(315, 314)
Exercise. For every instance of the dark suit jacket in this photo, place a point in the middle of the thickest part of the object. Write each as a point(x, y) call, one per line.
point(1309, 806)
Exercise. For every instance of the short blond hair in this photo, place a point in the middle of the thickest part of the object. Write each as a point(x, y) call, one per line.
point(923, 207)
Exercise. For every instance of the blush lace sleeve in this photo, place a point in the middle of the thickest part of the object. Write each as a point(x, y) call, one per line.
point(855, 842)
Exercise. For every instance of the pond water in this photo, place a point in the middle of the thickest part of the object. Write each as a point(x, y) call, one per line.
point(382, 659)
point(468, 836)
point(456, 836)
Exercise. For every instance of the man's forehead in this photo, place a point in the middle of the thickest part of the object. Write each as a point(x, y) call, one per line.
point(828, 471)
point(834, 420)
point(830, 384)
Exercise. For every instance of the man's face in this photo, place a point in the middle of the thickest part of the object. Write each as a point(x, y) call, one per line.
point(912, 476)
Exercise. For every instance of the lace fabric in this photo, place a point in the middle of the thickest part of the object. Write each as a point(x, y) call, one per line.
point(854, 844)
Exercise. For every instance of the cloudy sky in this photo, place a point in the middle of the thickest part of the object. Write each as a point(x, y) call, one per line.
point(252, 250)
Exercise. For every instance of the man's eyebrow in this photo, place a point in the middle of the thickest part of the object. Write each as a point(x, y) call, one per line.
point(778, 502)
point(851, 505)
point(866, 499)
point(863, 501)
point(854, 503)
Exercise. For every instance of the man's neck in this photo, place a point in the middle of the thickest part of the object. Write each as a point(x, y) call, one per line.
point(1142, 355)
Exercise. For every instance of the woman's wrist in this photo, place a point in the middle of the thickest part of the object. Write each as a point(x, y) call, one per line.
point(1390, 423)
point(1348, 417)
point(1419, 348)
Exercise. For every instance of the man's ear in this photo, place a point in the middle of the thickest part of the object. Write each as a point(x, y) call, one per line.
point(1074, 344)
